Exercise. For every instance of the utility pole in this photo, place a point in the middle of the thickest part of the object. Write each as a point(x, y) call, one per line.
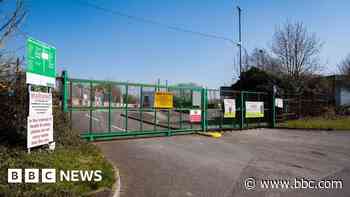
point(240, 40)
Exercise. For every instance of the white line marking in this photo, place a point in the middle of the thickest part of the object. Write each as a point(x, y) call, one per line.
point(95, 119)
point(118, 127)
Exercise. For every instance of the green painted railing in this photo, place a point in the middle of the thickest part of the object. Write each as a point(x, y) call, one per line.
point(109, 109)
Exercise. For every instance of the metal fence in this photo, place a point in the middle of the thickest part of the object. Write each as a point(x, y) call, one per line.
point(297, 106)
point(217, 121)
point(109, 109)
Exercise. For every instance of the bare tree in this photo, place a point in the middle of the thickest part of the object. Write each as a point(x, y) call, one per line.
point(297, 50)
point(10, 21)
point(262, 59)
point(13, 94)
point(344, 66)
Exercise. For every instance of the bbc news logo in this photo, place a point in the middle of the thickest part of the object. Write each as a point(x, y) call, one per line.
point(50, 175)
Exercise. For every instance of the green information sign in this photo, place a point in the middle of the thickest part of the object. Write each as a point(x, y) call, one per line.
point(41, 63)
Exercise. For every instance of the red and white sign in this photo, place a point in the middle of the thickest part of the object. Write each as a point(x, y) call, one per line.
point(40, 104)
point(40, 119)
point(39, 131)
point(195, 115)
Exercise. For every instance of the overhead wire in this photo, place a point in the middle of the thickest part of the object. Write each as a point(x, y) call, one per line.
point(153, 22)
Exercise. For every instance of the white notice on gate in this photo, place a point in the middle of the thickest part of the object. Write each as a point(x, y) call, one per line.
point(254, 109)
point(40, 104)
point(230, 108)
point(39, 131)
point(279, 102)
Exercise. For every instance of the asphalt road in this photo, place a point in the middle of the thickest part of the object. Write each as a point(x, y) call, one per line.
point(193, 165)
point(81, 121)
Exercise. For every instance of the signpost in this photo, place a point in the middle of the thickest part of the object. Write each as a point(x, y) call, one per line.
point(254, 109)
point(230, 108)
point(41, 64)
point(163, 100)
point(195, 115)
point(41, 71)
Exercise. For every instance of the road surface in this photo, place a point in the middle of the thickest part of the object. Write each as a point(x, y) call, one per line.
point(193, 165)
point(81, 121)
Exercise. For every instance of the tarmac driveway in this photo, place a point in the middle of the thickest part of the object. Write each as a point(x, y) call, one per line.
point(193, 165)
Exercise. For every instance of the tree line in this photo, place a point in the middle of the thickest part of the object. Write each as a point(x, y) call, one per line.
point(293, 57)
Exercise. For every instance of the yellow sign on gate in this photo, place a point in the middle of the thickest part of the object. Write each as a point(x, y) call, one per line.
point(163, 100)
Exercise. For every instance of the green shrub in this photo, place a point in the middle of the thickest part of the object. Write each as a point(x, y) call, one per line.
point(71, 152)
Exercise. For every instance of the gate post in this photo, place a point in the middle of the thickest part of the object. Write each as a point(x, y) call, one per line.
point(273, 111)
point(110, 107)
point(64, 91)
point(204, 104)
point(241, 123)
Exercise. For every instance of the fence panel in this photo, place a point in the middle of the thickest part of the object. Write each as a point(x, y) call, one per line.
point(216, 119)
point(298, 106)
point(256, 121)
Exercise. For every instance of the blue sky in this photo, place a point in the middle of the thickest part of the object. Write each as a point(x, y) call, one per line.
point(97, 45)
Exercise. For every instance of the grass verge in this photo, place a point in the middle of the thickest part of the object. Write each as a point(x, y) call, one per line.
point(337, 123)
point(82, 157)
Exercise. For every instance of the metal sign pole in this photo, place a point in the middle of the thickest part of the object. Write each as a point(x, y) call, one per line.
point(29, 89)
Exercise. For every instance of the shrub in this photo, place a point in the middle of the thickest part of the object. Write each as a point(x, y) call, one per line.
point(14, 106)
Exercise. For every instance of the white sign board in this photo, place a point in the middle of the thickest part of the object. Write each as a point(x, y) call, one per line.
point(40, 104)
point(40, 119)
point(279, 102)
point(39, 130)
point(230, 108)
point(254, 109)
point(195, 115)
point(41, 80)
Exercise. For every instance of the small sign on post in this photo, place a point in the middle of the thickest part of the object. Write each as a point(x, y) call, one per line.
point(230, 108)
point(279, 102)
point(163, 100)
point(195, 115)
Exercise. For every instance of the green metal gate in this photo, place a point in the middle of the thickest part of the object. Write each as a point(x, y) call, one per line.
point(215, 110)
point(108, 109)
